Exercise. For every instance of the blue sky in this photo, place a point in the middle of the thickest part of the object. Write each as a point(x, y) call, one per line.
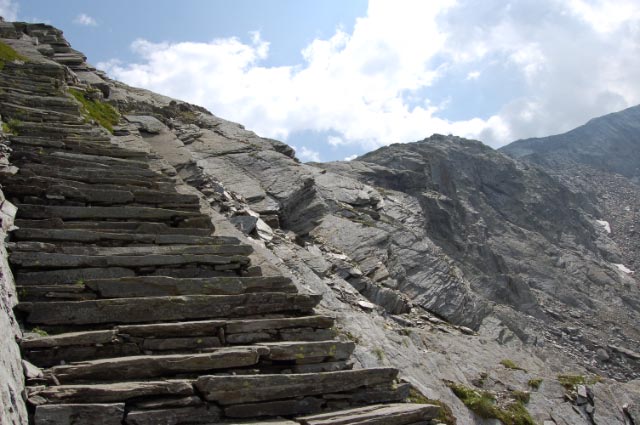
point(337, 78)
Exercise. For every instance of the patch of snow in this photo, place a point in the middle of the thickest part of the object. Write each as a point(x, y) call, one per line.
point(624, 269)
point(605, 225)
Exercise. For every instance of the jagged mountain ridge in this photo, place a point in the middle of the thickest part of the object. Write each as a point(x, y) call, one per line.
point(420, 236)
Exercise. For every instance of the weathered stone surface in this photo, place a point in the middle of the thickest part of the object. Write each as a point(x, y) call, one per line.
point(140, 310)
point(113, 393)
point(67, 212)
point(275, 408)
point(145, 286)
point(303, 351)
point(71, 276)
point(72, 338)
point(135, 367)
point(390, 414)
point(246, 389)
point(87, 236)
point(169, 330)
point(48, 260)
point(164, 402)
point(48, 357)
point(203, 414)
point(193, 343)
point(241, 326)
point(146, 123)
point(123, 227)
point(95, 414)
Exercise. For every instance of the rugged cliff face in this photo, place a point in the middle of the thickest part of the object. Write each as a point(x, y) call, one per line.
point(455, 263)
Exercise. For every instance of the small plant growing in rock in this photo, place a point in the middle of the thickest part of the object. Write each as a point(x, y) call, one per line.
point(446, 414)
point(509, 364)
point(484, 404)
point(101, 112)
point(39, 331)
point(8, 54)
point(379, 353)
point(570, 382)
point(535, 383)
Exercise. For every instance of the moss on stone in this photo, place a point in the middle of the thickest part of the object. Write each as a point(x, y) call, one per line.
point(483, 404)
point(8, 54)
point(510, 364)
point(535, 383)
point(446, 414)
point(101, 112)
point(570, 382)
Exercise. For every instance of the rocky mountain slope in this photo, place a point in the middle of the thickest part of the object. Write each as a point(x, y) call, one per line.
point(483, 279)
point(600, 159)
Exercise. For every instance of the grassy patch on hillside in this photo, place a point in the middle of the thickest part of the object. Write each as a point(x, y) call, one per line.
point(101, 112)
point(510, 364)
point(535, 383)
point(483, 404)
point(570, 382)
point(446, 414)
point(7, 54)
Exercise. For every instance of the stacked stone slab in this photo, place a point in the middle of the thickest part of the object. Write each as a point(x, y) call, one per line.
point(134, 310)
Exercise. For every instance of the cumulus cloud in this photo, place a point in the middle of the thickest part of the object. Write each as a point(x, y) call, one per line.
point(9, 10)
point(85, 20)
point(306, 154)
point(374, 86)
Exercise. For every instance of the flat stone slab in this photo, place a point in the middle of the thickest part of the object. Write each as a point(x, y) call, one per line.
point(146, 286)
point(67, 212)
point(304, 351)
point(136, 367)
point(40, 260)
point(88, 236)
point(70, 276)
point(121, 251)
point(153, 309)
point(71, 338)
point(275, 408)
point(94, 414)
point(123, 227)
point(257, 388)
point(202, 414)
point(385, 414)
point(257, 325)
point(114, 393)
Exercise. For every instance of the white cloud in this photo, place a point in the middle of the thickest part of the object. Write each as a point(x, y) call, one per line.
point(351, 157)
point(307, 155)
point(9, 10)
point(473, 75)
point(373, 86)
point(86, 20)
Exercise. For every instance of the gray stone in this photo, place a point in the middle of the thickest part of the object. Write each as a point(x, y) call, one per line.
point(389, 414)
point(301, 351)
point(136, 367)
point(224, 389)
point(146, 123)
point(67, 339)
point(146, 286)
point(140, 310)
point(275, 408)
point(96, 414)
point(113, 393)
point(204, 414)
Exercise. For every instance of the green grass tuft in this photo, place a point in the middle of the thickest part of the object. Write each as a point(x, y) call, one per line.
point(446, 414)
point(535, 383)
point(101, 112)
point(570, 382)
point(7, 54)
point(39, 332)
point(509, 364)
point(484, 404)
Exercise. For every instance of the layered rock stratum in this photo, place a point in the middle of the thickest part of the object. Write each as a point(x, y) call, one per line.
point(174, 267)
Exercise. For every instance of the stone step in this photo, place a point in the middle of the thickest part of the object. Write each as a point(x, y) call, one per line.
point(179, 249)
point(378, 414)
point(58, 131)
point(108, 393)
point(47, 260)
point(58, 170)
point(92, 159)
point(202, 413)
point(158, 309)
point(70, 276)
point(30, 211)
point(95, 175)
point(97, 414)
point(101, 146)
point(307, 352)
point(123, 227)
point(63, 104)
point(143, 367)
point(242, 389)
point(46, 351)
point(27, 113)
point(153, 286)
point(107, 238)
